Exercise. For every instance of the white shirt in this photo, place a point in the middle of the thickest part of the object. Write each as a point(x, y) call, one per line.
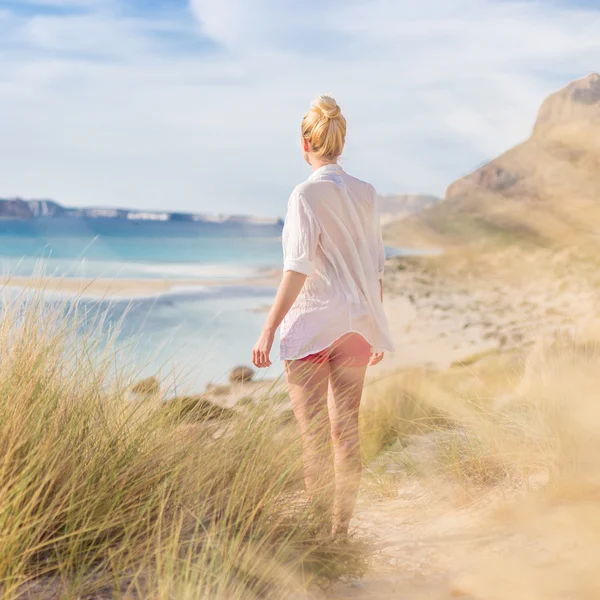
point(332, 234)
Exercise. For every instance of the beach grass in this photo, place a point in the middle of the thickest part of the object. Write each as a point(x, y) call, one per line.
point(101, 497)
point(105, 498)
point(501, 419)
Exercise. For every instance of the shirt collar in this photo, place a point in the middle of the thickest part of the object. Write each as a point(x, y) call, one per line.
point(332, 168)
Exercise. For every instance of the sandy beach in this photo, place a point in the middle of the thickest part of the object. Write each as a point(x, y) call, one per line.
point(439, 316)
point(125, 288)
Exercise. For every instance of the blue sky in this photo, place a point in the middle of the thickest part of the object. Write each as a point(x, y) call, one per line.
point(196, 104)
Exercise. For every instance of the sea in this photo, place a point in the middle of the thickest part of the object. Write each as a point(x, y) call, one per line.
point(188, 336)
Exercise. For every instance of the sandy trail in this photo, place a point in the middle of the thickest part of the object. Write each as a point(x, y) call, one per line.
point(415, 545)
point(532, 538)
point(422, 548)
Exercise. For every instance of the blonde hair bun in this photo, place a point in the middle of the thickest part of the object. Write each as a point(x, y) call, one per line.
point(328, 106)
point(324, 127)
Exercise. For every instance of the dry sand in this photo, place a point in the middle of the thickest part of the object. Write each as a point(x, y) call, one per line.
point(425, 545)
point(437, 320)
point(124, 288)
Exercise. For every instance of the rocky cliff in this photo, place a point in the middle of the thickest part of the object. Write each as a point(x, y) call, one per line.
point(17, 208)
point(545, 191)
point(14, 209)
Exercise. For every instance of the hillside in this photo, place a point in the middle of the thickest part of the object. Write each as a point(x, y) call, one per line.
point(401, 206)
point(544, 192)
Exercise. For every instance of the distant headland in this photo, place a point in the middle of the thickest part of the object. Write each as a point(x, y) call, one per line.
point(21, 209)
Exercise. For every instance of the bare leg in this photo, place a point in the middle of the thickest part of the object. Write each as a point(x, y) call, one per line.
point(344, 404)
point(307, 384)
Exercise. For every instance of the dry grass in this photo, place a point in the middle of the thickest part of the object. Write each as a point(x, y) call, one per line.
point(512, 470)
point(396, 407)
point(550, 436)
point(103, 498)
point(499, 417)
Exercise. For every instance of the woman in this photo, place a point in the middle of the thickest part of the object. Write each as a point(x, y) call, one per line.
point(329, 306)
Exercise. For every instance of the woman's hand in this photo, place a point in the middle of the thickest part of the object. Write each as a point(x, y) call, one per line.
point(289, 288)
point(376, 358)
point(262, 349)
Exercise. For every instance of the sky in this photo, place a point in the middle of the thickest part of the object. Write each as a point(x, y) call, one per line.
point(195, 105)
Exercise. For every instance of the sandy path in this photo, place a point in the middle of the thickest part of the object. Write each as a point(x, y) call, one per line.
point(428, 548)
point(433, 541)
point(413, 543)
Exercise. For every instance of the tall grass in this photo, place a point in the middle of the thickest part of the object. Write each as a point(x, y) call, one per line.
point(104, 498)
point(504, 418)
point(113, 499)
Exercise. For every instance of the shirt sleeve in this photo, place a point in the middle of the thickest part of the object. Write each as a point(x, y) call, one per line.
point(300, 236)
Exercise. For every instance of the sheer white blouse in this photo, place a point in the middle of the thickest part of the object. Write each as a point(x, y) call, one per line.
point(332, 234)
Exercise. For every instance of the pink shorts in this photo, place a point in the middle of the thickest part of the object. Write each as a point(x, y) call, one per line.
point(351, 350)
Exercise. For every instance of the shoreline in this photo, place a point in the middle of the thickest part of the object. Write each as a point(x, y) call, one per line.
point(134, 288)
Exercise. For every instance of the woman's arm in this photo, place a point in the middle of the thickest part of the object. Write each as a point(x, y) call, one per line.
point(288, 291)
point(299, 237)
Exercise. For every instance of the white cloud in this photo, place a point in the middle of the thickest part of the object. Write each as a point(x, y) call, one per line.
point(103, 107)
point(242, 26)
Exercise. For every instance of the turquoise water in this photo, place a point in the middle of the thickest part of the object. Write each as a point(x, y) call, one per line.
point(114, 249)
point(189, 335)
